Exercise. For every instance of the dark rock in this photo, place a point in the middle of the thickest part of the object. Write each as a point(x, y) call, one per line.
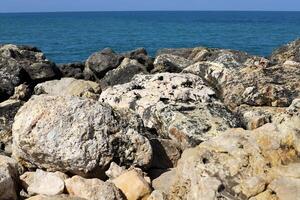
point(102, 62)
point(170, 63)
point(123, 74)
point(141, 56)
point(19, 64)
point(182, 52)
point(72, 70)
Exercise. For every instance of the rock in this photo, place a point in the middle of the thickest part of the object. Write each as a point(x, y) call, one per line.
point(289, 52)
point(176, 106)
point(56, 197)
point(170, 63)
point(43, 183)
point(141, 56)
point(286, 188)
point(240, 164)
point(114, 171)
point(9, 172)
point(8, 110)
point(166, 153)
point(69, 87)
point(22, 92)
point(19, 64)
point(165, 181)
point(182, 52)
point(76, 135)
point(92, 189)
point(72, 70)
point(157, 195)
point(253, 82)
point(123, 74)
point(135, 189)
point(102, 62)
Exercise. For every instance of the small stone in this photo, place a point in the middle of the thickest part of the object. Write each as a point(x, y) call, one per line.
point(133, 185)
point(45, 183)
point(286, 188)
point(56, 197)
point(253, 186)
point(92, 189)
point(114, 171)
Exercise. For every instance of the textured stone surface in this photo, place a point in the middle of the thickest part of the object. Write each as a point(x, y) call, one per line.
point(8, 110)
point(76, 135)
point(72, 70)
point(241, 164)
point(133, 185)
point(141, 56)
point(43, 183)
point(9, 172)
point(69, 87)
point(92, 189)
point(170, 63)
point(124, 73)
point(176, 106)
point(288, 52)
point(253, 82)
point(56, 197)
point(20, 64)
point(101, 62)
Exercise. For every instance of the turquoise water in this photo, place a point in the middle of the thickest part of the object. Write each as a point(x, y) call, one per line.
point(68, 37)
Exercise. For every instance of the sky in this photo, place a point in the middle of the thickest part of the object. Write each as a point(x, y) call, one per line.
point(143, 5)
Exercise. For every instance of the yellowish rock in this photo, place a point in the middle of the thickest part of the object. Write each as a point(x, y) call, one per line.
point(133, 185)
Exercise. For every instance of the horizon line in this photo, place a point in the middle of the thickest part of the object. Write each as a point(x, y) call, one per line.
point(76, 11)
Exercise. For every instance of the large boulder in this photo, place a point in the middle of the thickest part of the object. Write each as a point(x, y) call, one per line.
point(9, 173)
point(176, 106)
point(20, 64)
point(124, 73)
point(101, 62)
point(240, 164)
point(92, 189)
point(254, 83)
point(288, 52)
point(69, 87)
point(76, 135)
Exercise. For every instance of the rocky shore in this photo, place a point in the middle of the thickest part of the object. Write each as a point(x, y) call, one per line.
point(192, 123)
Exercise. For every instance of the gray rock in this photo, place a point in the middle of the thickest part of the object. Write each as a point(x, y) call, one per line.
point(72, 70)
point(69, 87)
point(76, 135)
point(182, 52)
point(9, 173)
point(19, 64)
point(123, 74)
point(176, 106)
point(170, 63)
point(8, 110)
point(141, 56)
point(102, 62)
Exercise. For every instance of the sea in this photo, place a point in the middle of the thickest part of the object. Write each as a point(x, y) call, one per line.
point(72, 36)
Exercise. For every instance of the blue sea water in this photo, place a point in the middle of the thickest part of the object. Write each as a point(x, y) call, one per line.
point(73, 36)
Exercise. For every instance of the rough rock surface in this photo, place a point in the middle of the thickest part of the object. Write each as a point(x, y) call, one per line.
point(123, 74)
point(101, 62)
point(69, 87)
point(19, 64)
point(9, 172)
point(141, 56)
point(43, 183)
point(289, 52)
point(241, 164)
point(72, 70)
point(56, 197)
point(92, 189)
point(80, 136)
point(254, 83)
point(8, 110)
point(177, 106)
point(170, 63)
point(133, 185)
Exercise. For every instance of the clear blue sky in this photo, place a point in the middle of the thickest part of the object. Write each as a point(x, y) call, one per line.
point(117, 5)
